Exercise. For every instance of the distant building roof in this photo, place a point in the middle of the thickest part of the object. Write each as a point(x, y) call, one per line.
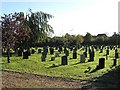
point(102, 35)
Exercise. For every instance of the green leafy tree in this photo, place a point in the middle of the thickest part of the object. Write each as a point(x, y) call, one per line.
point(38, 23)
point(87, 38)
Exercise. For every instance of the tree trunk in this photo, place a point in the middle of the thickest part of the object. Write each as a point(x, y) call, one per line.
point(8, 55)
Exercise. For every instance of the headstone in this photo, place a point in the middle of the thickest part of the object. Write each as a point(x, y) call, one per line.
point(51, 50)
point(116, 55)
point(101, 50)
point(64, 60)
point(25, 55)
point(45, 49)
point(20, 52)
point(107, 52)
point(74, 50)
point(116, 50)
point(74, 55)
point(101, 63)
point(91, 57)
point(114, 62)
point(71, 48)
point(33, 51)
point(39, 50)
point(111, 47)
point(44, 54)
point(93, 53)
point(82, 58)
point(86, 49)
point(65, 49)
point(67, 53)
point(56, 48)
point(85, 53)
point(28, 51)
point(89, 50)
point(60, 49)
point(43, 58)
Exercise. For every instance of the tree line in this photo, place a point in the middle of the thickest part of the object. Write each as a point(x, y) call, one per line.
point(78, 40)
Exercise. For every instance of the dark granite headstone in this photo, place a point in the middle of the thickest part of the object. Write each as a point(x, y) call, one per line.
point(116, 55)
point(20, 52)
point(101, 63)
point(25, 55)
point(91, 57)
point(107, 52)
point(67, 53)
point(51, 50)
point(74, 55)
point(114, 62)
point(64, 60)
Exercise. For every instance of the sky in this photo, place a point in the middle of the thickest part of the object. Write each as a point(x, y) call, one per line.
point(72, 16)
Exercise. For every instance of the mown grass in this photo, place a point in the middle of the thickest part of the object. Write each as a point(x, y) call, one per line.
point(74, 69)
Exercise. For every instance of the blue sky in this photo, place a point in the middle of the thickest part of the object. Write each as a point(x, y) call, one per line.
point(72, 16)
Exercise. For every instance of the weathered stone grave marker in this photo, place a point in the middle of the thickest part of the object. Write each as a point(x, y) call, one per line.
point(82, 58)
point(85, 53)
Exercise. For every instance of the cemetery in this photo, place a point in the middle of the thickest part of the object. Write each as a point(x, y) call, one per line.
point(64, 65)
point(27, 49)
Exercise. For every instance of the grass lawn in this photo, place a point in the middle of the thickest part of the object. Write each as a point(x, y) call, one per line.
point(74, 69)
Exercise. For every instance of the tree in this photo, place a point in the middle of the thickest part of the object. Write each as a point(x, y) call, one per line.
point(38, 22)
point(14, 30)
point(87, 38)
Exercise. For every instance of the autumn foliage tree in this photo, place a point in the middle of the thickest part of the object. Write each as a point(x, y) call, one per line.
point(14, 30)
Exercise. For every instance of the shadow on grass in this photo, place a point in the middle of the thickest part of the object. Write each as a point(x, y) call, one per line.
point(76, 63)
point(110, 80)
point(54, 66)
